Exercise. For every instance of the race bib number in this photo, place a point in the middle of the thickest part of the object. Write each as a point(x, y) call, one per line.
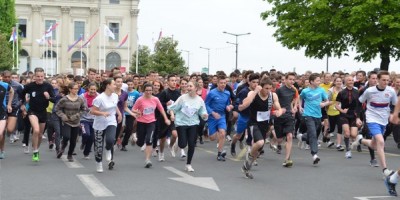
point(263, 116)
point(188, 111)
point(33, 94)
point(148, 111)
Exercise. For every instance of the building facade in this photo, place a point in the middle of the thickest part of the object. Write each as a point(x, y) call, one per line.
point(76, 19)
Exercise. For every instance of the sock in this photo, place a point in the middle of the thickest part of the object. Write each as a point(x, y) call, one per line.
point(347, 143)
point(394, 178)
point(35, 151)
point(371, 153)
point(359, 141)
point(219, 153)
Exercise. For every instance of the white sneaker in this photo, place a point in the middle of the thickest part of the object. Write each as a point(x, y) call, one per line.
point(172, 151)
point(99, 167)
point(143, 147)
point(12, 139)
point(44, 137)
point(229, 138)
point(183, 154)
point(154, 153)
point(348, 154)
point(161, 157)
point(108, 155)
point(307, 147)
point(356, 142)
point(86, 157)
point(189, 168)
point(299, 136)
point(331, 135)
point(26, 149)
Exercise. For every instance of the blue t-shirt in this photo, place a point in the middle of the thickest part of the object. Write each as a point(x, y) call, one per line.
point(132, 97)
point(217, 101)
point(4, 90)
point(312, 99)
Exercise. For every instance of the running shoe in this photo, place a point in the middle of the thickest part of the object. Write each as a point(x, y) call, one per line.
point(201, 140)
point(220, 158)
point(246, 170)
point(356, 142)
point(183, 154)
point(348, 154)
point(70, 158)
point(86, 157)
point(108, 155)
point(287, 163)
point(123, 148)
point(233, 150)
point(330, 144)
point(189, 168)
point(99, 167)
point(60, 153)
point(82, 147)
point(161, 157)
point(307, 147)
point(111, 165)
point(223, 154)
point(316, 159)
point(279, 149)
point(35, 157)
point(241, 145)
point(340, 148)
point(391, 187)
point(255, 163)
point(374, 163)
point(172, 152)
point(26, 149)
point(51, 145)
point(228, 138)
point(2, 156)
point(147, 164)
point(359, 148)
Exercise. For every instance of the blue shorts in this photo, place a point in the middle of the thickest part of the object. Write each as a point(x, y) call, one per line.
point(376, 129)
point(215, 124)
point(241, 124)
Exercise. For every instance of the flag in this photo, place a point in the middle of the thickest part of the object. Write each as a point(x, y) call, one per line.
point(41, 40)
point(14, 35)
point(90, 38)
point(108, 32)
point(123, 41)
point(49, 31)
point(76, 42)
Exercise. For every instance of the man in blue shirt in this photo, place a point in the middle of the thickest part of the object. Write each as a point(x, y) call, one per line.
point(314, 98)
point(217, 102)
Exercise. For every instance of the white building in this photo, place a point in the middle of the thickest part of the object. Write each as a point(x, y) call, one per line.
point(76, 18)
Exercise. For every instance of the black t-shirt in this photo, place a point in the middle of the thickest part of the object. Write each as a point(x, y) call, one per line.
point(239, 100)
point(38, 101)
point(167, 95)
point(257, 107)
point(286, 96)
point(349, 99)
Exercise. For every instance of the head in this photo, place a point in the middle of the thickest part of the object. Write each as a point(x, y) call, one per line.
point(153, 76)
point(349, 81)
point(6, 76)
point(172, 81)
point(92, 74)
point(193, 77)
point(73, 88)
point(108, 86)
point(39, 75)
point(118, 82)
point(200, 83)
point(136, 80)
point(78, 80)
point(361, 76)
point(14, 76)
point(327, 78)
point(92, 89)
point(314, 79)
point(383, 78)
point(221, 82)
point(104, 76)
point(372, 78)
point(148, 90)
point(289, 79)
point(192, 87)
point(54, 83)
point(337, 82)
point(157, 86)
point(183, 84)
point(254, 80)
point(214, 80)
point(98, 78)
point(233, 77)
point(397, 83)
point(266, 85)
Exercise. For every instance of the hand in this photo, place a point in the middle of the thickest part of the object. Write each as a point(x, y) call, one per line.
point(172, 118)
point(229, 108)
point(73, 117)
point(216, 115)
point(358, 122)
point(105, 114)
point(258, 89)
point(301, 110)
point(170, 102)
point(9, 108)
point(205, 117)
point(167, 122)
point(64, 118)
point(294, 110)
point(394, 119)
point(46, 95)
point(322, 105)
point(345, 110)
point(24, 113)
point(119, 119)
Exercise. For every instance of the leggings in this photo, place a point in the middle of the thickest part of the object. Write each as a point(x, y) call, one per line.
point(87, 136)
point(129, 120)
point(69, 134)
point(27, 130)
point(334, 121)
point(99, 135)
point(200, 127)
point(145, 133)
point(187, 137)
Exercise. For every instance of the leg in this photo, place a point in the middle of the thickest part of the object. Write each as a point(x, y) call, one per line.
point(312, 125)
point(2, 136)
point(72, 143)
point(98, 145)
point(33, 119)
point(191, 136)
point(90, 138)
point(149, 131)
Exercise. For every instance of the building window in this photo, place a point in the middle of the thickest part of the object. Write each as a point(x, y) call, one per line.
point(22, 28)
point(114, 1)
point(114, 27)
point(48, 24)
point(79, 29)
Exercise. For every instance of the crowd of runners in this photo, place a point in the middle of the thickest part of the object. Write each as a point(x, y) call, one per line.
point(104, 112)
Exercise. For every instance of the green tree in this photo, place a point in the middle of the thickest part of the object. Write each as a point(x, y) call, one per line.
point(144, 60)
point(7, 17)
point(6, 60)
point(333, 27)
point(166, 59)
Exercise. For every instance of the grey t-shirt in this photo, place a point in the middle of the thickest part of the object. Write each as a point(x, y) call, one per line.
point(286, 96)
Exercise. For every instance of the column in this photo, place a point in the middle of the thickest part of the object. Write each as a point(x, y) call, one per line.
point(133, 34)
point(94, 43)
point(37, 32)
point(65, 65)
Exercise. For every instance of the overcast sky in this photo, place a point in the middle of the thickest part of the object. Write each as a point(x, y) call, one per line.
point(195, 23)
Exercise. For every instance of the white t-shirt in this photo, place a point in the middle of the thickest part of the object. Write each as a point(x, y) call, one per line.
point(124, 87)
point(105, 104)
point(378, 104)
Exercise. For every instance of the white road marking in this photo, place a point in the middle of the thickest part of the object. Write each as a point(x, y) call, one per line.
point(74, 164)
point(372, 197)
point(94, 185)
point(204, 182)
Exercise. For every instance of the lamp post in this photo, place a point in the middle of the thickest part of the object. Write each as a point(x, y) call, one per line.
point(188, 59)
point(236, 44)
point(208, 52)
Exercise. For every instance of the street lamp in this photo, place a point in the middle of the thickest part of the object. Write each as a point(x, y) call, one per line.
point(236, 44)
point(188, 59)
point(208, 51)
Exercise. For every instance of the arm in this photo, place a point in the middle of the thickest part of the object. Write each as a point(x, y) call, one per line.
point(250, 97)
point(203, 111)
point(60, 110)
point(278, 110)
point(161, 109)
point(208, 102)
point(396, 113)
point(177, 105)
point(10, 98)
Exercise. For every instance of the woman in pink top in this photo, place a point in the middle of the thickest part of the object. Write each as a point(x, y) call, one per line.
point(145, 108)
point(201, 91)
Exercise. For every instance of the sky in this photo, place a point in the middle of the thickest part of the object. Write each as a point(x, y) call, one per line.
point(201, 23)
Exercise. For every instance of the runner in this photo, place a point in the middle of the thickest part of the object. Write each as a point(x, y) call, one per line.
point(378, 101)
point(6, 107)
point(185, 112)
point(260, 101)
point(87, 120)
point(40, 94)
point(334, 114)
point(133, 95)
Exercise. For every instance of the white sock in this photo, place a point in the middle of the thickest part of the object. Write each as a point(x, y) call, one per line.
point(35, 151)
point(394, 177)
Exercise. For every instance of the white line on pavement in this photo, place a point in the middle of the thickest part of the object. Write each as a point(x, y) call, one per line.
point(74, 164)
point(94, 185)
point(373, 197)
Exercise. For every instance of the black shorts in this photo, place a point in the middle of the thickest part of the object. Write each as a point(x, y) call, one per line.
point(165, 130)
point(42, 115)
point(283, 125)
point(349, 121)
point(14, 112)
point(324, 114)
point(257, 133)
point(3, 115)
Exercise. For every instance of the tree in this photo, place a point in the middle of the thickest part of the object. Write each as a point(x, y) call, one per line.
point(6, 59)
point(333, 27)
point(166, 59)
point(144, 60)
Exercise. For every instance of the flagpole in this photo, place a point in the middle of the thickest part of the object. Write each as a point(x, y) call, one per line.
point(137, 57)
point(46, 54)
point(99, 46)
point(16, 38)
point(104, 52)
point(56, 54)
point(129, 53)
point(51, 50)
point(87, 53)
point(81, 55)
point(13, 49)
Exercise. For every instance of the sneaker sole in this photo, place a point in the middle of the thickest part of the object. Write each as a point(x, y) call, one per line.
point(316, 161)
point(111, 165)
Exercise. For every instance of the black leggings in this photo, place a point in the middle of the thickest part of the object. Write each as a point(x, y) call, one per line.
point(27, 130)
point(187, 137)
point(129, 120)
point(69, 134)
point(335, 121)
point(145, 133)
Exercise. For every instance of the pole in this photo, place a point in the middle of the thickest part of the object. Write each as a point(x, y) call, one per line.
point(104, 52)
point(208, 62)
point(129, 53)
point(327, 63)
point(81, 56)
point(13, 49)
point(87, 53)
point(51, 50)
point(99, 47)
point(237, 46)
point(137, 58)
point(57, 72)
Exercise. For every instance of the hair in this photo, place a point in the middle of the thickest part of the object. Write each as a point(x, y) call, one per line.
point(129, 80)
point(265, 81)
point(195, 83)
point(70, 76)
point(6, 73)
point(161, 85)
point(38, 69)
point(78, 78)
point(382, 73)
point(117, 77)
point(290, 74)
point(193, 75)
point(146, 85)
point(65, 88)
point(153, 72)
point(372, 73)
point(183, 79)
point(90, 85)
point(92, 70)
point(254, 76)
point(334, 81)
point(327, 73)
point(362, 72)
point(233, 74)
point(221, 77)
point(104, 84)
point(313, 76)
point(170, 76)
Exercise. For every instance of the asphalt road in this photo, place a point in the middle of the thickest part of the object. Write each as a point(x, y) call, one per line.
point(334, 178)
